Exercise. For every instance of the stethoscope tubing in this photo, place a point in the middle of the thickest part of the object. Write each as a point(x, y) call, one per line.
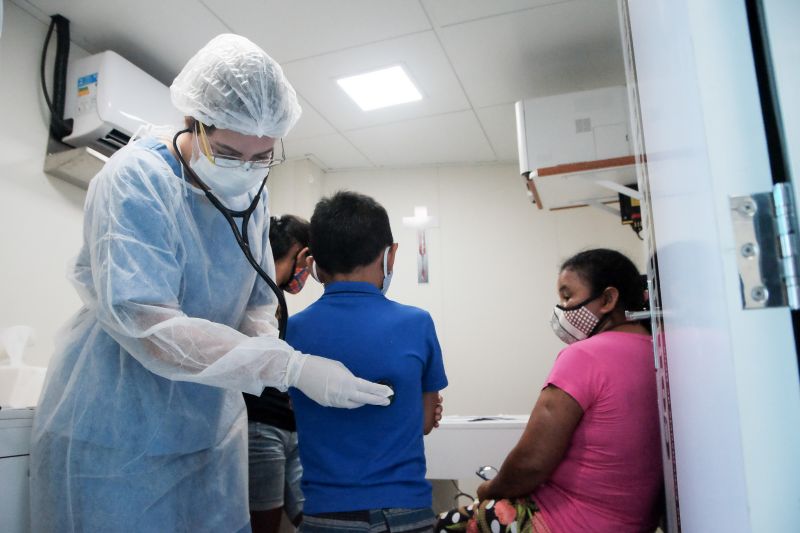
point(242, 238)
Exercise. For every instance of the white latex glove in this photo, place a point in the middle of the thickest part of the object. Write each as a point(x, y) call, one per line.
point(329, 383)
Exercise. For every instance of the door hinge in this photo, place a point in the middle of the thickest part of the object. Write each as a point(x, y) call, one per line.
point(766, 231)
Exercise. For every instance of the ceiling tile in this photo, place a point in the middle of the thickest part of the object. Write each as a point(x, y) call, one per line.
point(420, 54)
point(447, 12)
point(498, 52)
point(328, 152)
point(450, 138)
point(500, 124)
point(311, 124)
point(554, 49)
point(294, 30)
point(158, 37)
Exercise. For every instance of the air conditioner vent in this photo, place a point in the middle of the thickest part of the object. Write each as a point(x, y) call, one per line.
point(114, 139)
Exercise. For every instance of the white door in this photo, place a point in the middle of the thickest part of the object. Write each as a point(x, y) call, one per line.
point(728, 377)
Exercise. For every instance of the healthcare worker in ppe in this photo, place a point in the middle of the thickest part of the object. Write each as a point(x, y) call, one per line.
point(141, 425)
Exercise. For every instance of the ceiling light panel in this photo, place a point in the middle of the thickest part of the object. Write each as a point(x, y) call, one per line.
point(380, 88)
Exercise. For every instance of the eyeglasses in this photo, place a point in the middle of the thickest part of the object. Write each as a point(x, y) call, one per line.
point(486, 472)
point(223, 161)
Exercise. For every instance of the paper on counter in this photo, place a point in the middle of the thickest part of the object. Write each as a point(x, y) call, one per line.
point(20, 384)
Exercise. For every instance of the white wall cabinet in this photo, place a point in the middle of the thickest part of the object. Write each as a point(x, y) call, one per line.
point(15, 442)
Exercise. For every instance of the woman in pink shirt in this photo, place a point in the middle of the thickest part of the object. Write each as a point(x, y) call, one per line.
point(590, 457)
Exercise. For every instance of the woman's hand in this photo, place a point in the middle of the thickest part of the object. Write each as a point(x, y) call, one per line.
point(485, 490)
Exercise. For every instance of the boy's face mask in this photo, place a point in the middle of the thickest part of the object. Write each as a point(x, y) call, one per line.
point(387, 276)
point(297, 281)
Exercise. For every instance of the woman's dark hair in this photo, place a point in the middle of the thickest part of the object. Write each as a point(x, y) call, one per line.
point(348, 230)
point(286, 231)
point(601, 268)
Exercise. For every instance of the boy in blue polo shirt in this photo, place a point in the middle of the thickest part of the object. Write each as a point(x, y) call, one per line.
point(364, 469)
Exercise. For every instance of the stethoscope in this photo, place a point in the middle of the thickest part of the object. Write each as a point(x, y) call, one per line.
point(241, 236)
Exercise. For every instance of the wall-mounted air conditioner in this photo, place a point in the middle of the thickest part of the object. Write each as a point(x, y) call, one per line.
point(573, 146)
point(108, 99)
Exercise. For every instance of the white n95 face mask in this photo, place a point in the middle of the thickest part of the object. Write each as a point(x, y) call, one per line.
point(387, 276)
point(573, 324)
point(227, 182)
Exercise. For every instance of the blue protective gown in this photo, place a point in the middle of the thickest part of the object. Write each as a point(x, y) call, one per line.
point(141, 425)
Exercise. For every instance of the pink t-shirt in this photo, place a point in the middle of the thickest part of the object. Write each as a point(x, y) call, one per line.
point(611, 477)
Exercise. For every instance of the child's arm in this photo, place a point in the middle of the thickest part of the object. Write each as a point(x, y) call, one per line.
point(430, 400)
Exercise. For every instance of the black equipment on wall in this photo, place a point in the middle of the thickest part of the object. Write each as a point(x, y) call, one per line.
point(59, 128)
point(630, 211)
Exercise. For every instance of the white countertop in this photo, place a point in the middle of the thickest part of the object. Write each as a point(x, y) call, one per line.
point(483, 422)
point(462, 444)
point(16, 414)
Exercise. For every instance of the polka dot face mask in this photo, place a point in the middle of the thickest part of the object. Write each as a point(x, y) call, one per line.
point(575, 323)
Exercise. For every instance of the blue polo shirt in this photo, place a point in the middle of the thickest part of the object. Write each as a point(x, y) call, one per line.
point(370, 457)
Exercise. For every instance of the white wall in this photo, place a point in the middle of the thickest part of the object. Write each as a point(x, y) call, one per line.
point(493, 263)
point(40, 217)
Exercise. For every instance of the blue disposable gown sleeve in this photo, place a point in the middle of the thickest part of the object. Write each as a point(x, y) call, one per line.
point(134, 278)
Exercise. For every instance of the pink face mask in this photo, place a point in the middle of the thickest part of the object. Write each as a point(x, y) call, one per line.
point(575, 323)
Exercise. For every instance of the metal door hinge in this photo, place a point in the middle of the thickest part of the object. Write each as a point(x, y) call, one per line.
point(766, 231)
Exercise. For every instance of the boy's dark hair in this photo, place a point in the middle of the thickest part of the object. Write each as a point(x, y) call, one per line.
point(286, 231)
point(348, 230)
point(602, 268)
